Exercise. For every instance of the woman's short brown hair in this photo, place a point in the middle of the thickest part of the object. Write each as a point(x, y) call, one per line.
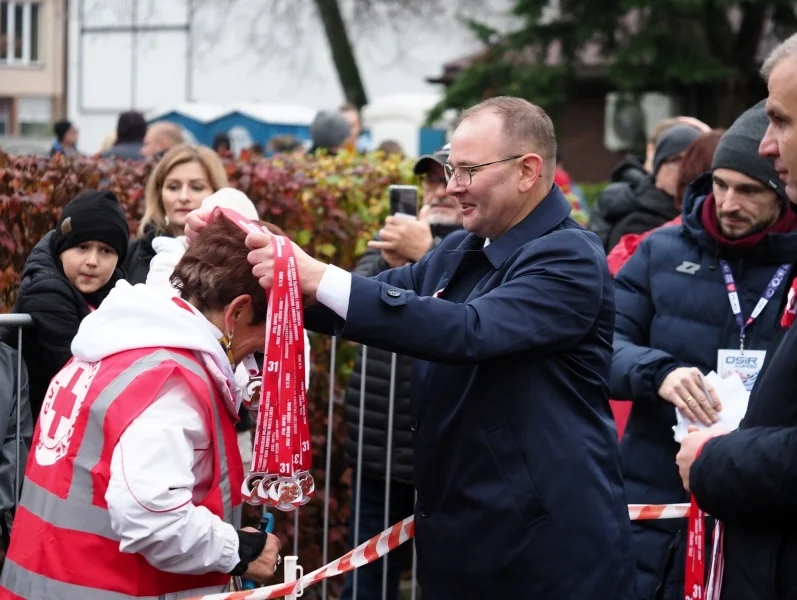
point(214, 270)
point(696, 160)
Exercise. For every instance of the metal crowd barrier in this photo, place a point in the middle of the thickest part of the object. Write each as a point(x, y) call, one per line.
point(19, 321)
point(356, 501)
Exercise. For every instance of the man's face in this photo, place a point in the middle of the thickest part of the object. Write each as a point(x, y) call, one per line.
point(780, 140)
point(744, 206)
point(668, 174)
point(355, 128)
point(70, 137)
point(154, 142)
point(492, 202)
point(442, 208)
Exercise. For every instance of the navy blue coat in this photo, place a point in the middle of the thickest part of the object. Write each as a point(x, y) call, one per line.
point(516, 457)
point(666, 319)
point(748, 479)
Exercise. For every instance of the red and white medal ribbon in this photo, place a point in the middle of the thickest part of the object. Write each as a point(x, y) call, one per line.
point(694, 581)
point(787, 320)
point(717, 568)
point(281, 457)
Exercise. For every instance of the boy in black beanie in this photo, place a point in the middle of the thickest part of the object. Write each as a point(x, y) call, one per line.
point(65, 139)
point(67, 275)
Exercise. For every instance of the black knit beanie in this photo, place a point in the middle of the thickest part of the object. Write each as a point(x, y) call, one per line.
point(673, 141)
point(60, 129)
point(738, 150)
point(93, 217)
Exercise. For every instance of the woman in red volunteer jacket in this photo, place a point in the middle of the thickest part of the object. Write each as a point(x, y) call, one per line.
point(132, 487)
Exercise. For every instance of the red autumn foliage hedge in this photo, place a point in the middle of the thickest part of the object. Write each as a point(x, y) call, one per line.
point(331, 206)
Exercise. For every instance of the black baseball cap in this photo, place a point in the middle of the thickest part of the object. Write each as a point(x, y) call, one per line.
point(425, 162)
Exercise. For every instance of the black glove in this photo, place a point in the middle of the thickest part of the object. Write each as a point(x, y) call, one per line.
point(250, 546)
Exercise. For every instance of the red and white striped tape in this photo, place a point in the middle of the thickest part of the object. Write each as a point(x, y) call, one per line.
point(392, 538)
point(650, 512)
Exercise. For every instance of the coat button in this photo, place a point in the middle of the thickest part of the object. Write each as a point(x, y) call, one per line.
point(414, 425)
point(393, 293)
point(424, 510)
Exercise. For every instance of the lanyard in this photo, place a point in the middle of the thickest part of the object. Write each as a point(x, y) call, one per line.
point(733, 297)
point(282, 455)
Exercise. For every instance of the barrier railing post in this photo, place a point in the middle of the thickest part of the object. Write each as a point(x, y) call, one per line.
point(391, 405)
point(359, 471)
point(18, 441)
point(293, 571)
point(328, 467)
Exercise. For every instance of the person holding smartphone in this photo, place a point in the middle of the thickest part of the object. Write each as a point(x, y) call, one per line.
point(403, 239)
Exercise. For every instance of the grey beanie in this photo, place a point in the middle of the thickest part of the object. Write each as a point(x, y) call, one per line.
point(673, 141)
point(329, 130)
point(738, 150)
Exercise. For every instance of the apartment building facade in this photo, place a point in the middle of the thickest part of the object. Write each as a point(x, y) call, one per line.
point(32, 67)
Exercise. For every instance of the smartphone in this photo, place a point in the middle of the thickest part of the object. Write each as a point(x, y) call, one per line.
point(403, 200)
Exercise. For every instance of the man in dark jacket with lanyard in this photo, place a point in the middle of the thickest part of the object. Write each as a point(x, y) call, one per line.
point(748, 479)
point(516, 460)
point(688, 301)
point(401, 241)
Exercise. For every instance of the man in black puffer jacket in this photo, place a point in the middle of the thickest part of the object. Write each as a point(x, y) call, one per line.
point(641, 202)
point(674, 316)
point(400, 241)
point(747, 479)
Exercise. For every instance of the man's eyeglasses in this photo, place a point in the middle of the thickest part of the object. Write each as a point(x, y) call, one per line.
point(464, 174)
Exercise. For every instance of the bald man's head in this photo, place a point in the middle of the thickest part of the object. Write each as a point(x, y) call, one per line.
point(161, 137)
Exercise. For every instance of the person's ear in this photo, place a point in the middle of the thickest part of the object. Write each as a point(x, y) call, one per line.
point(531, 166)
point(239, 312)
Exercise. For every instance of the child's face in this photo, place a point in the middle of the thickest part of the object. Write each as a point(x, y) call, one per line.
point(89, 265)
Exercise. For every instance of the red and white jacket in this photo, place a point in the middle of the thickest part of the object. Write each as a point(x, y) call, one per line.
point(133, 484)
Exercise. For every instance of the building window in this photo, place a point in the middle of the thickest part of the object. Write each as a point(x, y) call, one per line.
point(5, 116)
point(19, 32)
point(35, 116)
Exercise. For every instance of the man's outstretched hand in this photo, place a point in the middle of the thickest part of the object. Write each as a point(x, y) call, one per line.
point(261, 258)
point(196, 222)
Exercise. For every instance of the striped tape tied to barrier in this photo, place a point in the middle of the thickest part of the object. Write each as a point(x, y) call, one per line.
point(392, 538)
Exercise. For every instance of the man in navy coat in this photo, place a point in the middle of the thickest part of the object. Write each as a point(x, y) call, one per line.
point(516, 456)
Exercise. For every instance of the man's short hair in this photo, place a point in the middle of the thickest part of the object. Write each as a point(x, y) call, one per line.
point(221, 140)
point(526, 126)
point(786, 49)
point(131, 127)
point(348, 107)
point(169, 131)
point(61, 128)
